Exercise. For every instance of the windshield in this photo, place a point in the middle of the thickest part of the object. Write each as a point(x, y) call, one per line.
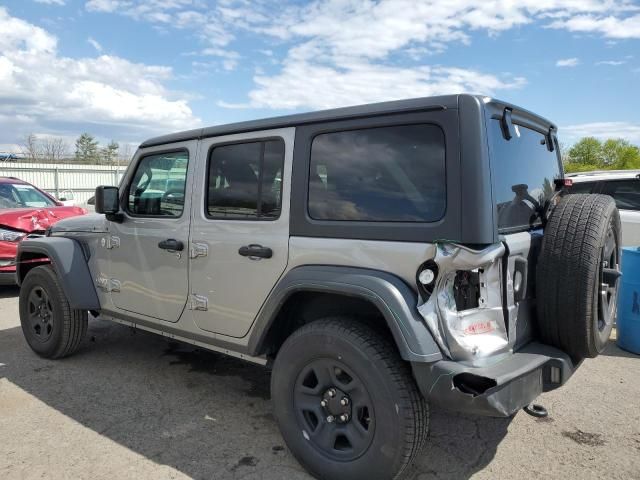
point(523, 171)
point(17, 195)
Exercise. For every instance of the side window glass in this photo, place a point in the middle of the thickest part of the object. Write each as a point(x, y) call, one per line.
point(158, 185)
point(626, 193)
point(380, 174)
point(245, 180)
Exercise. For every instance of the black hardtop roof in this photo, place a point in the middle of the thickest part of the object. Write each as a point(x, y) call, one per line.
point(397, 106)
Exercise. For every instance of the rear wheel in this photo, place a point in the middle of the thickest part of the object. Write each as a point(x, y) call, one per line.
point(52, 329)
point(578, 275)
point(346, 403)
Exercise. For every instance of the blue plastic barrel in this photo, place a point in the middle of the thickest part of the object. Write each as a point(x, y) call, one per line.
point(629, 301)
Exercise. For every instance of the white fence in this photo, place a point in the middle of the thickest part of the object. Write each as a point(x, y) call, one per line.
point(69, 181)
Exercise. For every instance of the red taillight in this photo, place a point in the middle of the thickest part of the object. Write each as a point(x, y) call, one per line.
point(561, 183)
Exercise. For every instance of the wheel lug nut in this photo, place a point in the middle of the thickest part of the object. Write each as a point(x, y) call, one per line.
point(330, 418)
point(344, 417)
point(323, 403)
point(344, 402)
point(332, 393)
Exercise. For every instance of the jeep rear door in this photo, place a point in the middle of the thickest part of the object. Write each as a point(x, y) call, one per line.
point(240, 227)
point(149, 248)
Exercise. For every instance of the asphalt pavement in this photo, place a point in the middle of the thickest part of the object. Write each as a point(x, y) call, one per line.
point(130, 404)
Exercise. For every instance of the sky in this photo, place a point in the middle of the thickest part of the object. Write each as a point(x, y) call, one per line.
point(131, 69)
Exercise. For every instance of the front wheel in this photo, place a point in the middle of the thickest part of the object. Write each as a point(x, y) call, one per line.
point(50, 326)
point(347, 405)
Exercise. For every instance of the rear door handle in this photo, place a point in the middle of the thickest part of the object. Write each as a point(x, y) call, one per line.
point(255, 250)
point(171, 244)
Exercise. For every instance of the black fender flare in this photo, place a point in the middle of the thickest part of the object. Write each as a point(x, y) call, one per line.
point(68, 259)
point(392, 296)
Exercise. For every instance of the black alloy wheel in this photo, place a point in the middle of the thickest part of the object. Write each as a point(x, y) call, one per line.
point(334, 409)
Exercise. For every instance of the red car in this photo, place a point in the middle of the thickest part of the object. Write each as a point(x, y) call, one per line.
point(24, 210)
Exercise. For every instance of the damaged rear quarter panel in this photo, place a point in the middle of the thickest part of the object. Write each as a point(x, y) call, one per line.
point(473, 334)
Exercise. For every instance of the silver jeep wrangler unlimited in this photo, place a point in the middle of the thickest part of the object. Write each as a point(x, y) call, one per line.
point(378, 258)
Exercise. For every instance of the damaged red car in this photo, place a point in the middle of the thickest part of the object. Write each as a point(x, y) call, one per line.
point(25, 210)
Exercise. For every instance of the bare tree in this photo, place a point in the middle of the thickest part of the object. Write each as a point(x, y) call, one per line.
point(31, 148)
point(55, 149)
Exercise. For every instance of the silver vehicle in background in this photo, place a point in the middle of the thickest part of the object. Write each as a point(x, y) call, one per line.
point(624, 187)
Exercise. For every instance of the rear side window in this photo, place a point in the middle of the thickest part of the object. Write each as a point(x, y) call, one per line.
point(245, 180)
point(523, 171)
point(626, 193)
point(383, 174)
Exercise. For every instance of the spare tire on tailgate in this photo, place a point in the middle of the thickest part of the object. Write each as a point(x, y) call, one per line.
point(578, 274)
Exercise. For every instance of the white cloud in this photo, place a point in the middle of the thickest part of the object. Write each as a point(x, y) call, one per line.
point(353, 45)
point(192, 15)
point(104, 5)
point(41, 89)
point(568, 62)
point(612, 63)
point(51, 2)
point(95, 44)
point(344, 52)
point(603, 130)
point(609, 26)
point(306, 85)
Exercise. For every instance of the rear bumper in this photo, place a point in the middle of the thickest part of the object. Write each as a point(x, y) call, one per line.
point(498, 390)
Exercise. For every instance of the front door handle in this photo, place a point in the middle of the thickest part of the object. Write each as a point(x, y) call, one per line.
point(256, 251)
point(171, 244)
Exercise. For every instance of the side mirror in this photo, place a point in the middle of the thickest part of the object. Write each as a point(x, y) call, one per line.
point(91, 201)
point(107, 202)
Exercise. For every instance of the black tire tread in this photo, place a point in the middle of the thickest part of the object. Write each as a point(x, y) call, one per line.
point(74, 322)
point(567, 272)
point(383, 353)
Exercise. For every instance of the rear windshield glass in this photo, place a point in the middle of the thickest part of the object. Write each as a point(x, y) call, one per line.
point(384, 174)
point(523, 171)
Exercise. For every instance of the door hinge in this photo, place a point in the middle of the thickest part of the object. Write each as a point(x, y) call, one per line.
point(102, 283)
point(198, 250)
point(198, 302)
point(108, 284)
point(111, 242)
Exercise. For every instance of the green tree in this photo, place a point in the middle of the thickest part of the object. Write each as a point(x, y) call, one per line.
point(110, 152)
point(587, 151)
point(621, 154)
point(87, 149)
point(591, 154)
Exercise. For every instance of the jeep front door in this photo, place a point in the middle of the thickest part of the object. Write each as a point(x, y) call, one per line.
point(240, 227)
point(149, 248)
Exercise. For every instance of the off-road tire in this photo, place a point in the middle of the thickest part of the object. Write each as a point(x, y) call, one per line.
point(399, 416)
point(64, 331)
point(570, 271)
